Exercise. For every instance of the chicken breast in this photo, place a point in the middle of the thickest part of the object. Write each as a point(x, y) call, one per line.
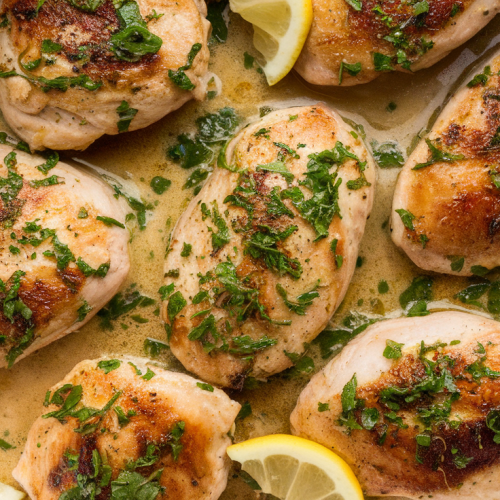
point(446, 208)
point(353, 41)
point(59, 264)
point(125, 428)
point(263, 256)
point(92, 67)
point(412, 405)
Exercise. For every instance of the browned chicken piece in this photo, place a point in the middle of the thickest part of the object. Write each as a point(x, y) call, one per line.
point(129, 429)
point(91, 67)
point(263, 256)
point(412, 405)
point(446, 208)
point(59, 264)
point(353, 41)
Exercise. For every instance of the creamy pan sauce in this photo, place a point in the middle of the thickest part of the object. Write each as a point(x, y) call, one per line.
point(141, 155)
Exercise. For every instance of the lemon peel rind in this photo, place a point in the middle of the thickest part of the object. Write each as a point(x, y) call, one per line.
point(291, 44)
point(305, 451)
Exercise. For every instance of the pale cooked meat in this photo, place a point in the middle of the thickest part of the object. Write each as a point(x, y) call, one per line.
point(236, 303)
point(447, 395)
point(353, 32)
point(148, 420)
point(72, 119)
point(449, 210)
point(58, 264)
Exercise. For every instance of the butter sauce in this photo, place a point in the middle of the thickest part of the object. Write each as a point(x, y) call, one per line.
point(141, 155)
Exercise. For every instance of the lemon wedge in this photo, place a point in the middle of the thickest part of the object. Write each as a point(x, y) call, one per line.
point(293, 468)
point(280, 31)
point(9, 493)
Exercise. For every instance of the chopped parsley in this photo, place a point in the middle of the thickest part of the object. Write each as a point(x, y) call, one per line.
point(52, 160)
point(82, 311)
point(331, 342)
point(322, 206)
point(83, 214)
point(5, 446)
point(190, 152)
point(159, 184)
point(61, 83)
point(175, 305)
point(278, 167)
point(205, 387)
point(133, 41)
point(153, 16)
point(48, 181)
point(355, 4)
point(137, 205)
point(264, 244)
point(387, 154)
point(186, 249)
point(437, 156)
point(246, 345)
point(479, 370)
point(414, 299)
point(382, 62)
point(349, 404)
point(108, 365)
point(481, 78)
point(109, 221)
point(302, 302)
point(215, 14)
point(126, 114)
point(339, 259)
point(174, 439)
point(392, 349)
point(179, 77)
point(149, 374)
point(85, 5)
point(50, 47)
point(222, 236)
point(245, 411)
point(154, 347)
point(407, 218)
point(493, 423)
point(461, 461)
point(122, 303)
point(352, 69)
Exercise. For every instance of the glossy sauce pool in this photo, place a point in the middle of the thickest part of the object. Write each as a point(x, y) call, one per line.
point(141, 155)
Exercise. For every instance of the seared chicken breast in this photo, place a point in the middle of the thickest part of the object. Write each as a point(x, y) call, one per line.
point(121, 427)
point(263, 256)
point(62, 252)
point(74, 70)
point(412, 404)
point(353, 41)
point(446, 208)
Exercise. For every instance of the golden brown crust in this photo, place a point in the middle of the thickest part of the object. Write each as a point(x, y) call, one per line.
point(471, 438)
point(74, 29)
point(456, 204)
point(312, 263)
point(154, 408)
point(370, 25)
point(91, 62)
point(341, 33)
point(32, 224)
point(443, 394)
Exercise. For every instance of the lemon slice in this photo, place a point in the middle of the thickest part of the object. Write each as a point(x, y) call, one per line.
point(280, 31)
point(293, 468)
